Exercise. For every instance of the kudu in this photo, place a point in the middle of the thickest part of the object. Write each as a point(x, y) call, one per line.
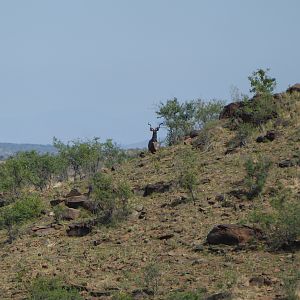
point(153, 143)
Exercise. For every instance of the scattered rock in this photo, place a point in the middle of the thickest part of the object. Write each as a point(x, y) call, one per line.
point(79, 229)
point(56, 202)
point(271, 135)
point(90, 205)
point(194, 133)
point(261, 139)
point(42, 230)
point(2, 202)
point(73, 193)
point(75, 201)
point(142, 215)
point(230, 110)
point(198, 248)
point(142, 154)
point(233, 234)
point(178, 201)
point(166, 236)
point(260, 281)
point(70, 214)
point(294, 88)
point(220, 198)
point(287, 163)
point(159, 187)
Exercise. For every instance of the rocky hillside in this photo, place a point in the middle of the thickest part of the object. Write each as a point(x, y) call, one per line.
point(218, 246)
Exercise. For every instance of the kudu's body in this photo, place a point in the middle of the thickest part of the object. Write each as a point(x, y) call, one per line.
point(153, 143)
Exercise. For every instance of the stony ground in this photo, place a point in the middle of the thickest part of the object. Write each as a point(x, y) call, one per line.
point(164, 233)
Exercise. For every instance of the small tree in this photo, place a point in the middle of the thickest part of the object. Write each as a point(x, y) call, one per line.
point(261, 83)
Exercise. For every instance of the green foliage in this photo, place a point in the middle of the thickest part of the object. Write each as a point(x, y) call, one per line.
point(191, 295)
point(261, 83)
point(187, 172)
point(181, 118)
point(257, 172)
point(52, 289)
point(11, 216)
point(111, 197)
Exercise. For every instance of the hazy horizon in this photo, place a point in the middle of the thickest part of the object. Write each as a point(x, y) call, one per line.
point(74, 69)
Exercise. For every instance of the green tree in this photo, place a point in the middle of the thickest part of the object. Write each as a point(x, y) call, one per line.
point(181, 118)
point(261, 83)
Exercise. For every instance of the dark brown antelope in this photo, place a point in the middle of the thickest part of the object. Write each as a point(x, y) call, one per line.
point(153, 143)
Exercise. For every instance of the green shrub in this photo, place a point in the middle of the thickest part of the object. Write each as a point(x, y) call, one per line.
point(11, 216)
point(151, 277)
point(111, 198)
point(282, 223)
point(261, 83)
point(187, 172)
point(257, 173)
point(192, 295)
point(52, 289)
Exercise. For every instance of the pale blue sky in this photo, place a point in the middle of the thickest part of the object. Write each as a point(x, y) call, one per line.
point(75, 69)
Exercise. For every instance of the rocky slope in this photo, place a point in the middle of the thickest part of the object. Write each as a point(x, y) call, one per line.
point(168, 232)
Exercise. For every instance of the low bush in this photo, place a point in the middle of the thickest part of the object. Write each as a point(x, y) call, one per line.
point(12, 216)
point(52, 289)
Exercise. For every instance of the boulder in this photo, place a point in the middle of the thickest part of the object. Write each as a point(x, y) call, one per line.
point(55, 202)
point(79, 229)
point(76, 201)
point(159, 187)
point(194, 133)
point(233, 234)
point(294, 88)
point(70, 214)
point(3, 202)
point(73, 193)
point(230, 110)
point(287, 163)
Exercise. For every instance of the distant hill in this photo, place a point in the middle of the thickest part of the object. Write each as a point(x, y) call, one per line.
point(8, 149)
